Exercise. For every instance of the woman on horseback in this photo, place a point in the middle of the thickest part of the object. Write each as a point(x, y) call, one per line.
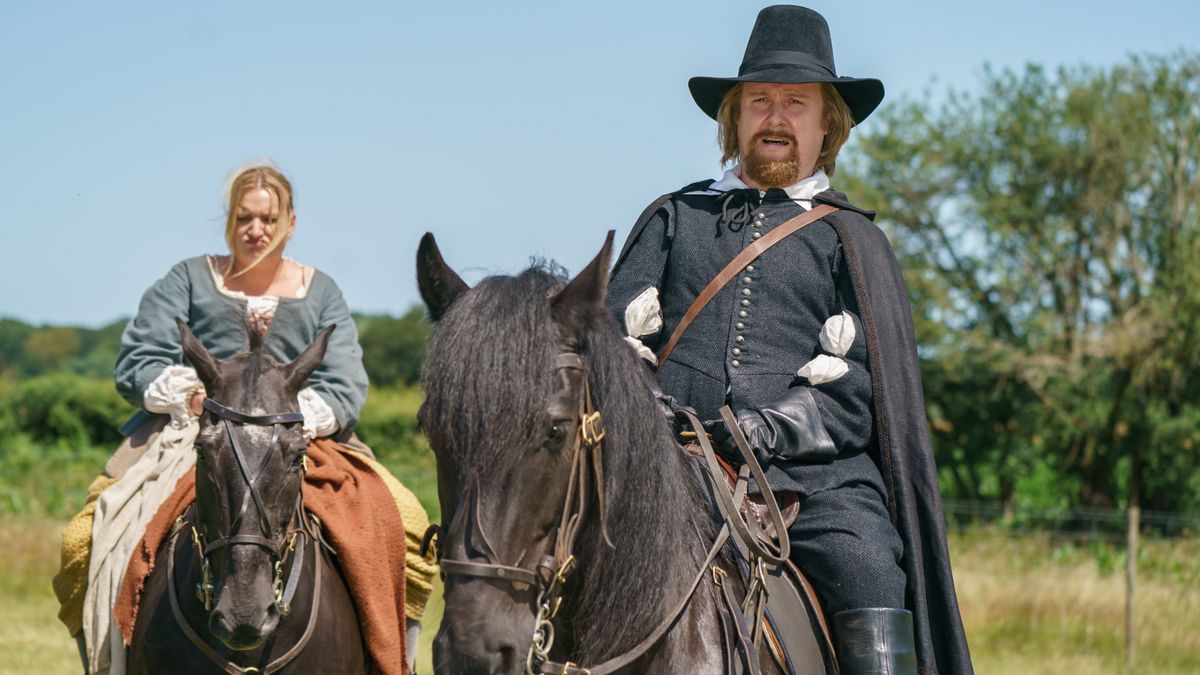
point(253, 294)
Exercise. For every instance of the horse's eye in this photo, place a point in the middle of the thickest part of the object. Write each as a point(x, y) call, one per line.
point(201, 453)
point(559, 430)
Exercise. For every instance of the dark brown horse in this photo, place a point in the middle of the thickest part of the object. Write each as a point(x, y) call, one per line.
point(244, 583)
point(574, 528)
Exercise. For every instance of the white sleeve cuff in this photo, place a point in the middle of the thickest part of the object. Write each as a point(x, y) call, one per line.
point(823, 369)
point(170, 392)
point(319, 420)
point(642, 350)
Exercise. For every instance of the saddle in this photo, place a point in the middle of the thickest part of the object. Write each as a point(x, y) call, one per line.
point(779, 609)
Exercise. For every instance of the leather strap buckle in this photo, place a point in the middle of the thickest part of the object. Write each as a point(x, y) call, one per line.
point(568, 566)
point(592, 428)
point(718, 573)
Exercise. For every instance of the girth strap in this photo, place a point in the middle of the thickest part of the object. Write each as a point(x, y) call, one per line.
point(745, 629)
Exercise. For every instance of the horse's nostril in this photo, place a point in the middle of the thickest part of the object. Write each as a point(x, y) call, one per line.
point(220, 626)
point(508, 658)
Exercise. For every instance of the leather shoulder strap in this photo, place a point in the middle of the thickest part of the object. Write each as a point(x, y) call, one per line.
point(735, 266)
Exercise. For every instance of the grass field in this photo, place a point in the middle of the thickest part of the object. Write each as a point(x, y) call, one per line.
point(1031, 605)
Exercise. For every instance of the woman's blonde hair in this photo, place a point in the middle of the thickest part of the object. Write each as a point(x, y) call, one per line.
point(835, 117)
point(254, 177)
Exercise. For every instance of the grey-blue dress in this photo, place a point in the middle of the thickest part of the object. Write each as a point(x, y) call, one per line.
point(150, 342)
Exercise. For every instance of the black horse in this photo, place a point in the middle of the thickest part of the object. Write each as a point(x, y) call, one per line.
point(244, 584)
point(566, 537)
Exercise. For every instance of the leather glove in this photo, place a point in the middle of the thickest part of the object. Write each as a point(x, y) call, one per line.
point(788, 429)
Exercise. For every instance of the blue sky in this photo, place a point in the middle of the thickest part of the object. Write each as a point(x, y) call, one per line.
point(507, 129)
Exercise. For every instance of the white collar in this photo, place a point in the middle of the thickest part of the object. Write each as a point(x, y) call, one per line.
point(800, 192)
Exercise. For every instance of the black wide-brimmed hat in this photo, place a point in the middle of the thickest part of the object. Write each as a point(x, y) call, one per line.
point(790, 45)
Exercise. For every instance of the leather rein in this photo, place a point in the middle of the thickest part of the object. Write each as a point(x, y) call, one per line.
point(279, 546)
point(553, 570)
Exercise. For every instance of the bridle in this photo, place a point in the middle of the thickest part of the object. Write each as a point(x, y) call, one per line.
point(552, 571)
point(280, 546)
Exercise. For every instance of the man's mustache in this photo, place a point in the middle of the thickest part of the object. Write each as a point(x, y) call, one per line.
point(774, 133)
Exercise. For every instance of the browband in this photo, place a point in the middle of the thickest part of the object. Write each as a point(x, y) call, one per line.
point(262, 420)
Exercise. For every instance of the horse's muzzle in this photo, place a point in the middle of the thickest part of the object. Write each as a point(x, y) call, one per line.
point(247, 633)
point(475, 656)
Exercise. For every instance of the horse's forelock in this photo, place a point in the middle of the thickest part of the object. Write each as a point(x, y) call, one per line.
point(255, 383)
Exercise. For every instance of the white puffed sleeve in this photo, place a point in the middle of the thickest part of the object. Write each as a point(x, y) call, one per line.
point(319, 420)
point(170, 392)
point(643, 316)
point(838, 333)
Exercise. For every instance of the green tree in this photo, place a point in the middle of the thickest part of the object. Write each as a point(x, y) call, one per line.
point(1048, 228)
point(98, 350)
point(48, 349)
point(13, 336)
point(394, 348)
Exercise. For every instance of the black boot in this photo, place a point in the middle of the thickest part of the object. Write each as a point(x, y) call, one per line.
point(875, 641)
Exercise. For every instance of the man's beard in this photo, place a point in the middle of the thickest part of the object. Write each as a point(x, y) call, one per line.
point(772, 173)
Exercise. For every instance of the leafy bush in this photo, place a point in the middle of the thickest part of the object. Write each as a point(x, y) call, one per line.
point(64, 410)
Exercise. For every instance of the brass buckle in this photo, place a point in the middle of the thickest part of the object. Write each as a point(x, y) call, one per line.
point(568, 566)
point(592, 428)
point(717, 574)
point(552, 612)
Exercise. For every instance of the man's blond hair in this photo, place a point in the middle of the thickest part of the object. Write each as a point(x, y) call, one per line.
point(835, 117)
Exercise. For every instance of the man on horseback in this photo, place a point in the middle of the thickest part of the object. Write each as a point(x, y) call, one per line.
point(811, 344)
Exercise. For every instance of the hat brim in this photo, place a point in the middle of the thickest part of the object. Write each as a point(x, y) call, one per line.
point(862, 95)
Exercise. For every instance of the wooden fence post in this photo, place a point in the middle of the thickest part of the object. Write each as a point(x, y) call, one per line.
point(1131, 580)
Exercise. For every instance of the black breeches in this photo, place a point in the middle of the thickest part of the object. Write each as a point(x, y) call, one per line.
point(845, 544)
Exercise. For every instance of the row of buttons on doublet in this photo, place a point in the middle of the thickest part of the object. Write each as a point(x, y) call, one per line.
point(744, 312)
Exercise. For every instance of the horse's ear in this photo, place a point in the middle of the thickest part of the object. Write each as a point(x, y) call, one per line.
point(581, 300)
point(297, 371)
point(440, 286)
point(207, 367)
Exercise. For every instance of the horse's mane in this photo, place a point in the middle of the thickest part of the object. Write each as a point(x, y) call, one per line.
point(491, 354)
